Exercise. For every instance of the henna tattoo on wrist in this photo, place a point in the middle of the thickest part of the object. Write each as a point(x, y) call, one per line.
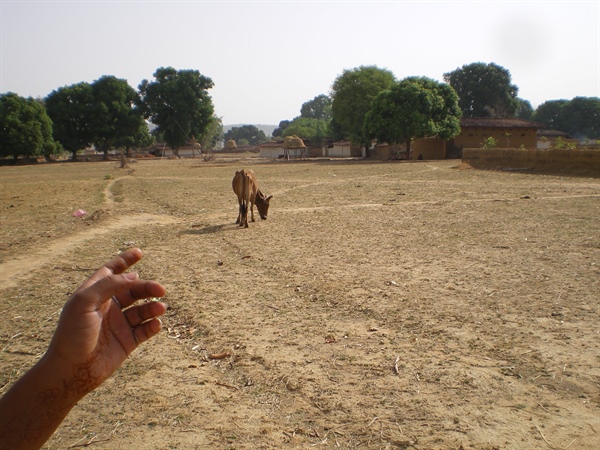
point(35, 424)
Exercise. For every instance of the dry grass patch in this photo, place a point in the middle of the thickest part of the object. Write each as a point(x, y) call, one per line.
point(381, 305)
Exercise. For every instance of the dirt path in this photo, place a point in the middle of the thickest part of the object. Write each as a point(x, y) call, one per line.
point(13, 271)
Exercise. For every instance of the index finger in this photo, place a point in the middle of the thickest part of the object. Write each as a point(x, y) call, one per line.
point(117, 265)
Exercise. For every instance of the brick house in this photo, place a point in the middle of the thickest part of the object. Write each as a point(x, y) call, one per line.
point(508, 133)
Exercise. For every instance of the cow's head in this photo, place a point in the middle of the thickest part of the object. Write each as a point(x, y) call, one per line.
point(262, 204)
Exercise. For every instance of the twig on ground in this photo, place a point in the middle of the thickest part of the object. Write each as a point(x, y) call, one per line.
point(218, 383)
point(571, 443)
point(117, 425)
point(224, 354)
point(92, 441)
point(330, 378)
point(239, 426)
point(543, 437)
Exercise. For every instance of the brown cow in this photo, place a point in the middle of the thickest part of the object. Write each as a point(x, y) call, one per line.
point(245, 187)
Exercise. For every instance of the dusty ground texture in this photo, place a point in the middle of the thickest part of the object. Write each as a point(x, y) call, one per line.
point(382, 305)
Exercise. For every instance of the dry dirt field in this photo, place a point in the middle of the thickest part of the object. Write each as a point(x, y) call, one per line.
point(420, 305)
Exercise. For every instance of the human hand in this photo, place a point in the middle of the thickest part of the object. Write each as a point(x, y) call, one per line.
point(99, 328)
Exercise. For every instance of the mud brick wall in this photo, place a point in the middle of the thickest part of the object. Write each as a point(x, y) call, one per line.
point(584, 162)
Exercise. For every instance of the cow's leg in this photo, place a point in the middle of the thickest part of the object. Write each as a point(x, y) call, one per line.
point(252, 210)
point(245, 214)
point(239, 217)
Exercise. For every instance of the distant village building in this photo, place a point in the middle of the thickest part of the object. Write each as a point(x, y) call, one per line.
point(163, 150)
point(272, 150)
point(508, 133)
point(550, 138)
point(343, 149)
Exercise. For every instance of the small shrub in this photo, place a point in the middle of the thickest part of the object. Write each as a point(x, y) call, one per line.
point(489, 143)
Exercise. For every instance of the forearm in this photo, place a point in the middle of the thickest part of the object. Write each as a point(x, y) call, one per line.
point(36, 405)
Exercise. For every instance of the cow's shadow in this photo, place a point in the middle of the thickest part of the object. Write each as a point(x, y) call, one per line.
point(208, 229)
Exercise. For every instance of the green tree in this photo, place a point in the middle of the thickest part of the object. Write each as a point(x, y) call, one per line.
point(277, 132)
point(550, 114)
point(337, 133)
point(140, 138)
point(581, 117)
point(312, 130)
point(524, 109)
point(317, 108)
point(71, 111)
point(248, 133)
point(26, 128)
point(416, 107)
point(212, 134)
point(352, 93)
point(178, 103)
point(484, 90)
point(116, 118)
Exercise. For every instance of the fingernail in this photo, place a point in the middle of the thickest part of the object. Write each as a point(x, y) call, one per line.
point(132, 276)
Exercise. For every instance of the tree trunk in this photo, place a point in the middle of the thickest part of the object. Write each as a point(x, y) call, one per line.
point(408, 149)
point(105, 152)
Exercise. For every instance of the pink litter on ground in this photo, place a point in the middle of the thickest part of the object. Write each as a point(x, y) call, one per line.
point(79, 213)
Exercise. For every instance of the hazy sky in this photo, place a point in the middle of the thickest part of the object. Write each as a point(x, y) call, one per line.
point(266, 58)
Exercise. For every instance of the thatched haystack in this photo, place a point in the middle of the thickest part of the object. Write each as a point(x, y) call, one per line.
point(293, 142)
point(230, 145)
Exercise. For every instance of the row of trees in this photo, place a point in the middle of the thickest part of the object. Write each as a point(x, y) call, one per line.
point(101, 113)
point(365, 103)
point(246, 135)
point(368, 102)
point(109, 113)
